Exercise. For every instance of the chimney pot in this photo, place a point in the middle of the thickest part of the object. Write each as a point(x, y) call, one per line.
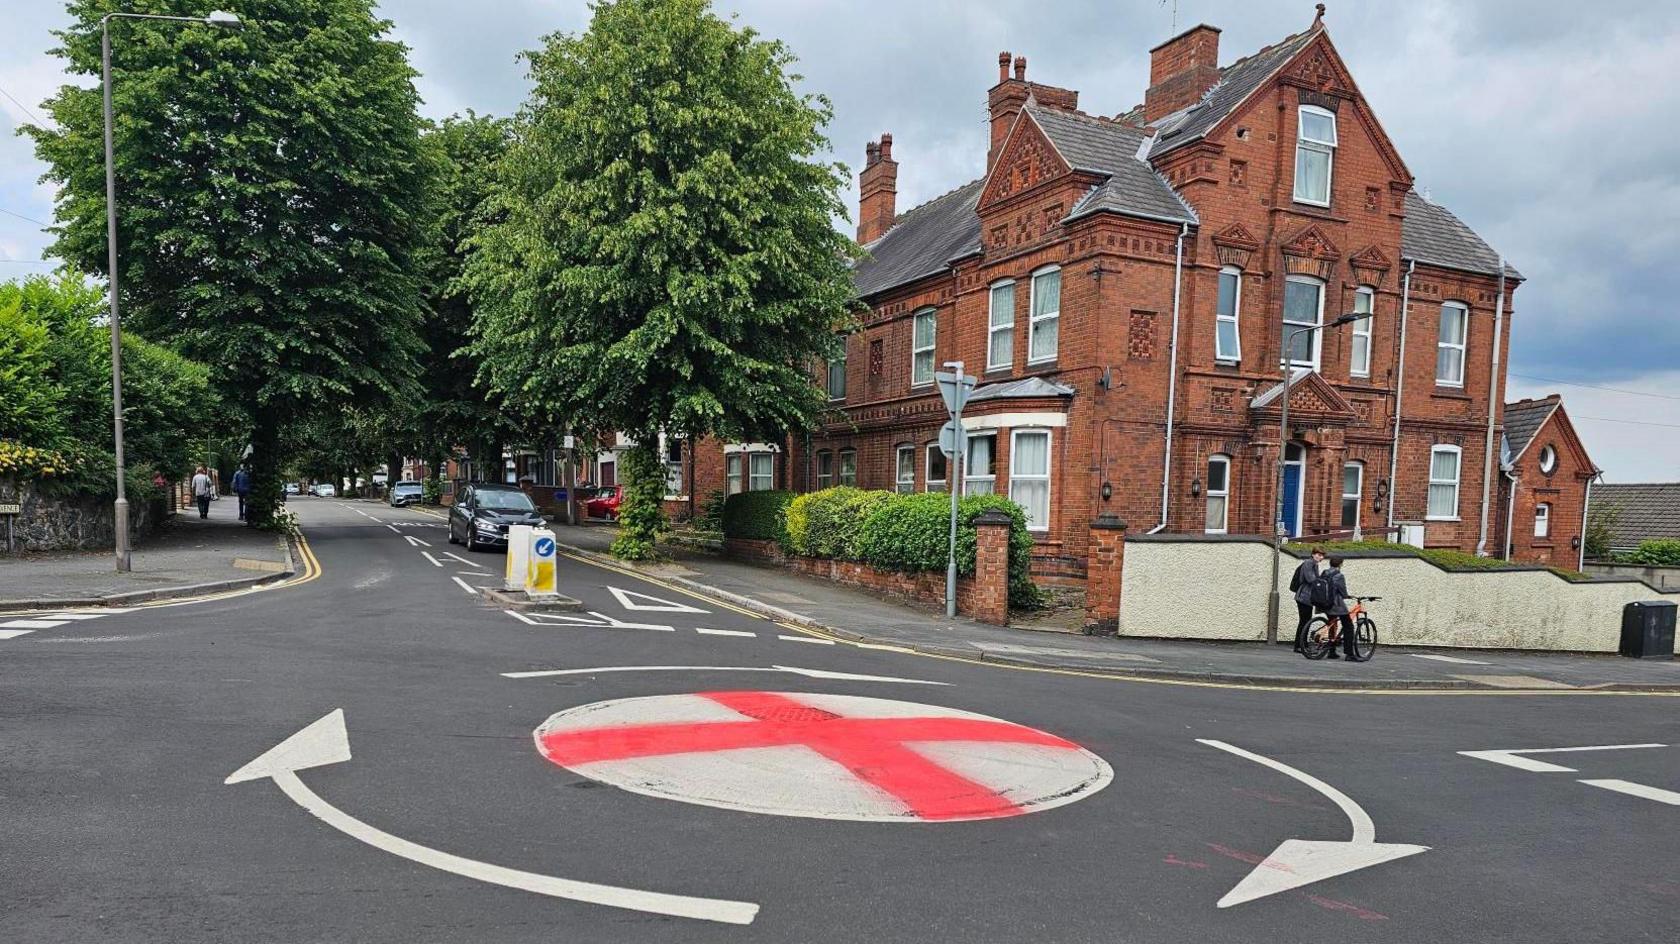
point(886, 147)
point(1021, 68)
point(1181, 70)
point(877, 191)
point(1003, 66)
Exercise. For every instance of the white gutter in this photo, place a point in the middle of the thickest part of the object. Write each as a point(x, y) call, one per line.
point(1511, 512)
point(1172, 377)
point(1399, 388)
point(1586, 510)
point(1493, 408)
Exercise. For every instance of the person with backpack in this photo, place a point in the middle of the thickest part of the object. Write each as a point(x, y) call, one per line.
point(242, 488)
point(1301, 584)
point(1334, 606)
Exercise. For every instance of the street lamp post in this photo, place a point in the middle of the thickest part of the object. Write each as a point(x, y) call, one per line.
point(1273, 615)
point(216, 18)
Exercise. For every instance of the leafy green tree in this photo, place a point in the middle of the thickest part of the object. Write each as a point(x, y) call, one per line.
point(270, 185)
point(1602, 520)
point(662, 254)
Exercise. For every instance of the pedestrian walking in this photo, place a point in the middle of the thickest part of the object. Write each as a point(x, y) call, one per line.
point(203, 488)
point(242, 488)
point(1301, 584)
point(1338, 608)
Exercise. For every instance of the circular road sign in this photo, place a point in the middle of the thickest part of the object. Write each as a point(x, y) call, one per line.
point(822, 756)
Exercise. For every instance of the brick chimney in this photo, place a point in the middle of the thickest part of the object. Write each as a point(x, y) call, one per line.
point(877, 190)
point(1180, 71)
point(1010, 95)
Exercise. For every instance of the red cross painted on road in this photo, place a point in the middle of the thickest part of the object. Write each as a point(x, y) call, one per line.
point(876, 750)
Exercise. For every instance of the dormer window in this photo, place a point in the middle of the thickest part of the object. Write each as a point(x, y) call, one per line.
point(1315, 153)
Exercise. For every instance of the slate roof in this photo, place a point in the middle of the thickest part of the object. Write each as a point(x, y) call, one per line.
point(923, 241)
point(1099, 146)
point(1025, 388)
point(1236, 82)
point(1646, 511)
point(1524, 418)
point(1432, 235)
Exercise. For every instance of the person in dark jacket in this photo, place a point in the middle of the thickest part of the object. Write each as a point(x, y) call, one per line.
point(1339, 609)
point(1301, 583)
point(242, 488)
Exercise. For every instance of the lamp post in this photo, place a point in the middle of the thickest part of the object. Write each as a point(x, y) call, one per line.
point(221, 20)
point(1273, 615)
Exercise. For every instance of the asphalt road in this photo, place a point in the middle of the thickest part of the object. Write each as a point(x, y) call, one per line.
point(117, 733)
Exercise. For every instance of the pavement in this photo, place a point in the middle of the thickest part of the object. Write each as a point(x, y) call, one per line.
point(847, 613)
point(186, 556)
point(369, 753)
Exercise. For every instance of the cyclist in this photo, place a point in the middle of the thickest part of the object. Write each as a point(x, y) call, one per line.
point(1302, 583)
point(1338, 609)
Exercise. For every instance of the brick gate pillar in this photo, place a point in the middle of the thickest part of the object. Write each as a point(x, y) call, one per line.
point(990, 600)
point(1104, 565)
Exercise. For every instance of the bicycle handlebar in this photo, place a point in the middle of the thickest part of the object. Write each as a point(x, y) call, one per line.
point(1363, 599)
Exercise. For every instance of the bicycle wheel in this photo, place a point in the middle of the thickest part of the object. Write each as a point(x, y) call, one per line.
point(1318, 639)
point(1365, 638)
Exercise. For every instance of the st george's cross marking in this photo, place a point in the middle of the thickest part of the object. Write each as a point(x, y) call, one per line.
point(844, 757)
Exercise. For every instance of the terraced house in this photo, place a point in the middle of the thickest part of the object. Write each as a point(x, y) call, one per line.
point(1124, 286)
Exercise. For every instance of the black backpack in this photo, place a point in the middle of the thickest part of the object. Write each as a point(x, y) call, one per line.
point(1323, 597)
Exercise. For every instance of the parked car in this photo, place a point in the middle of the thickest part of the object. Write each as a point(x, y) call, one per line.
point(483, 511)
point(605, 502)
point(325, 490)
point(291, 488)
point(405, 493)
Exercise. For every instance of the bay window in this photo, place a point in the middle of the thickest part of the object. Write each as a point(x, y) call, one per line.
point(825, 469)
point(761, 467)
point(1029, 475)
point(980, 477)
point(848, 467)
point(937, 465)
point(732, 479)
point(905, 478)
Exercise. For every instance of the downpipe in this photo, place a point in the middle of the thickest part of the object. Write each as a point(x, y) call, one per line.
point(1172, 376)
point(1493, 407)
point(1399, 400)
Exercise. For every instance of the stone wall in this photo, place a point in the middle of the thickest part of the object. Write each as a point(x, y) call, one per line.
point(1663, 578)
point(53, 523)
point(1217, 589)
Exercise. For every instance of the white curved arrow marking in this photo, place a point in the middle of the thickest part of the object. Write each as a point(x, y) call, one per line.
point(1299, 862)
point(326, 742)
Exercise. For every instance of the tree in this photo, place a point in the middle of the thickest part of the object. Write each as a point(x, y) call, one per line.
point(663, 256)
point(270, 186)
point(1602, 520)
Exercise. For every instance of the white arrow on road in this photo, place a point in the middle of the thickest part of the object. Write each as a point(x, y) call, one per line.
point(1512, 758)
point(1299, 862)
point(326, 742)
point(808, 673)
point(414, 541)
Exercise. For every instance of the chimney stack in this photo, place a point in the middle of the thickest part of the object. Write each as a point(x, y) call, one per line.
point(1181, 70)
point(1010, 95)
point(877, 190)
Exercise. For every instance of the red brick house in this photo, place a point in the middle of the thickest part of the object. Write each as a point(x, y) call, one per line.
point(1546, 475)
point(1122, 287)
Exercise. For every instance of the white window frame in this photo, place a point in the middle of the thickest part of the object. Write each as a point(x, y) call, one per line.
point(839, 362)
point(1315, 339)
point(993, 328)
point(1458, 476)
point(929, 483)
point(753, 475)
point(1223, 494)
point(1036, 319)
point(1233, 317)
point(1361, 331)
point(1462, 346)
point(734, 479)
point(1316, 145)
point(1548, 459)
point(1016, 475)
point(841, 476)
point(825, 475)
point(1543, 520)
point(970, 480)
point(904, 460)
point(1358, 494)
point(917, 380)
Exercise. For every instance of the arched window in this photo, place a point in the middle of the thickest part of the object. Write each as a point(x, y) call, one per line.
point(848, 467)
point(1315, 154)
point(825, 469)
point(938, 466)
point(1218, 494)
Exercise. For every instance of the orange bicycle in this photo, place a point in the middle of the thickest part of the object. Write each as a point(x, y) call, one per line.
point(1324, 633)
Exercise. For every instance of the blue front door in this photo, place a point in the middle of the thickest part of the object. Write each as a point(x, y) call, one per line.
point(1292, 498)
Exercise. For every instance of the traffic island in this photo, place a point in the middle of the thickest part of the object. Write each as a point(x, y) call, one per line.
point(520, 600)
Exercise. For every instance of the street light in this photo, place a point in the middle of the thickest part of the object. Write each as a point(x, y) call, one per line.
point(222, 20)
point(1273, 616)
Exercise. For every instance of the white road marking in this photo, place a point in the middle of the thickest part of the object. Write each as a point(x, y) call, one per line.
point(1298, 862)
point(599, 619)
point(882, 647)
point(14, 633)
point(428, 556)
point(74, 616)
point(658, 604)
point(1453, 659)
point(1510, 758)
point(809, 639)
point(465, 586)
point(808, 673)
point(521, 617)
point(32, 624)
point(416, 542)
point(327, 742)
point(723, 632)
point(463, 560)
point(394, 529)
point(1637, 790)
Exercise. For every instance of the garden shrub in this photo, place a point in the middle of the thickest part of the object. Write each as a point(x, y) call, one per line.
point(827, 523)
point(912, 532)
point(1657, 552)
point(756, 516)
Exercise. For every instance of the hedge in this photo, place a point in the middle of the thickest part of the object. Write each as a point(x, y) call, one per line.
point(757, 516)
point(1655, 552)
point(826, 523)
point(1445, 558)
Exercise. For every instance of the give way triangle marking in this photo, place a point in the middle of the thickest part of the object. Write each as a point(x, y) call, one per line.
point(1299, 862)
point(655, 604)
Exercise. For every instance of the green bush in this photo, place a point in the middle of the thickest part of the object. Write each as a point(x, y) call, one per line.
point(1442, 557)
point(827, 523)
point(757, 516)
point(912, 533)
point(711, 512)
point(1657, 552)
point(641, 515)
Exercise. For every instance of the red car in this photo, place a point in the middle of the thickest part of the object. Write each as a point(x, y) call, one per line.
point(605, 502)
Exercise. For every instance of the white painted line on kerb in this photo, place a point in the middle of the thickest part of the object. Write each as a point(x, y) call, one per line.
point(883, 648)
point(723, 632)
point(393, 529)
point(463, 559)
point(809, 639)
point(73, 616)
point(32, 624)
point(435, 562)
point(1510, 758)
point(416, 542)
point(465, 586)
point(1637, 790)
point(1453, 659)
point(14, 633)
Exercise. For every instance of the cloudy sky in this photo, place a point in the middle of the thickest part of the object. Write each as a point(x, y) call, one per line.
point(1547, 125)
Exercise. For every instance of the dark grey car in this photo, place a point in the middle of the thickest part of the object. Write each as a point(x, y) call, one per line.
point(483, 511)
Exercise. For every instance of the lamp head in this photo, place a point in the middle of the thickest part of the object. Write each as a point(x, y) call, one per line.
point(222, 19)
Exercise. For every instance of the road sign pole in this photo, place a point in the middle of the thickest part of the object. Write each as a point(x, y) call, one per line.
point(957, 458)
